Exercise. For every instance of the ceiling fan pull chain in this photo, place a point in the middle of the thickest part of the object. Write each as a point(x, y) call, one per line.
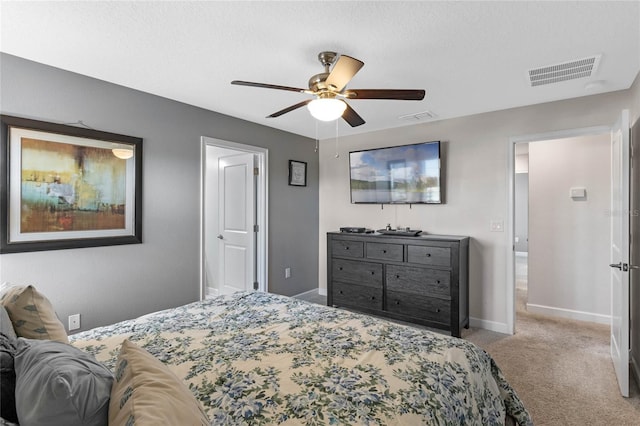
point(316, 150)
point(337, 155)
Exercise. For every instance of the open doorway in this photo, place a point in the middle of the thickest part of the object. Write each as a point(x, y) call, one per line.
point(521, 223)
point(555, 233)
point(234, 217)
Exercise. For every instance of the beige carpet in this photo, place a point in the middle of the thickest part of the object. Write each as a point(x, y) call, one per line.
point(561, 369)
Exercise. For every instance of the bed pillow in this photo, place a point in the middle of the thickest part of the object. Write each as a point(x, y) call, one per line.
point(6, 327)
point(32, 315)
point(57, 383)
point(146, 392)
point(7, 379)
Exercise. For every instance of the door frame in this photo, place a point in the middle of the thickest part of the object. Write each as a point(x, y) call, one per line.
point(262, 207)
point(510, 225)
point(620, 314)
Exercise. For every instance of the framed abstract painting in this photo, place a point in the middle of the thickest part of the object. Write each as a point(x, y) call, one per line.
point(68, 187)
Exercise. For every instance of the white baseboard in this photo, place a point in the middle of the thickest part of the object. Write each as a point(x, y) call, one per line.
point(498, 327)
point(306, 293)
point(568, 313)
point(211, 292)
point(322, 291)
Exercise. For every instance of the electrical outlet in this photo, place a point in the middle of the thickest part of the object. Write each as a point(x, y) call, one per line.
point(496, 226)
point(74, 322)
point(287, 272)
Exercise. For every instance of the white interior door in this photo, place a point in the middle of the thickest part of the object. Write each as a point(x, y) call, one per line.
point(620, 209)
point(236, 185)
point(634, 278)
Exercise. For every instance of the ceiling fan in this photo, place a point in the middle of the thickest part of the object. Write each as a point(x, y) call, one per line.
point(329, 90)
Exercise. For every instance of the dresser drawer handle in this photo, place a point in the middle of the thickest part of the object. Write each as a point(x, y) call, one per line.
point(437, 310)
point(340, 268)
point(437, 281)
point(373, 272)
point(373, 298)
point(398, 276)
point(341, 292)
point(397, 302)
point(346, 248)
point(384, 251)
point(428, 254)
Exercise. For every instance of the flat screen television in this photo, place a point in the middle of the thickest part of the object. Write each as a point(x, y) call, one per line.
point(406, 174)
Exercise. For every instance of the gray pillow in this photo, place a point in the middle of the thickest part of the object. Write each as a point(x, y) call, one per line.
point(58, 384)
point(6, 326)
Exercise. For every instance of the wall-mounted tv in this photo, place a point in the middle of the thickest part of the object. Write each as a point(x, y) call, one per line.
point(407, 174)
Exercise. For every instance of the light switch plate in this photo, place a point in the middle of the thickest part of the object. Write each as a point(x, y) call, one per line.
point(578, 192)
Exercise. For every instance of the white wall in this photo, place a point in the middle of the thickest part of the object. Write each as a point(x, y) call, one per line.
point(569, 274)
point(521, 212)
point(522, 163)
point(476, 158)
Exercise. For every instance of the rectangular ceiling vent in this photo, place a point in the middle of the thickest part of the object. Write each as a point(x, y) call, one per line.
point(571, 70)
point(424, 115)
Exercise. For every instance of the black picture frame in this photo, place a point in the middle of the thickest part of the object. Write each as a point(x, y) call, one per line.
point(46, 206)
point(297, 173)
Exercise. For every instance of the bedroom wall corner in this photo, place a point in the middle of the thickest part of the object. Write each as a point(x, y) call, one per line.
point(109, 284)
point(476, 186)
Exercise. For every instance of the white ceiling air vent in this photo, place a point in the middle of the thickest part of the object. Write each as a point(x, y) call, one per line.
point(578, 68)
point(418, 116)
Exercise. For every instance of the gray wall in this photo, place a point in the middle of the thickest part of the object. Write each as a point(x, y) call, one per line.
point(107, 284)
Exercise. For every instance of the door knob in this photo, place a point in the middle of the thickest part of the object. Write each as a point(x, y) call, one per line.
point(220, 237)
point(624, 266)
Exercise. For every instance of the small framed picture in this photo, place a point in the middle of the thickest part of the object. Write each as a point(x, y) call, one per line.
point(297, 173)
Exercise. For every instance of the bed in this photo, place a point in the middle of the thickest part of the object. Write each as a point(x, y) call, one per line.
point(258, 358)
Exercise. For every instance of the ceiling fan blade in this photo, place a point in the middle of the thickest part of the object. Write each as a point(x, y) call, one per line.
point(398, 94)
point(343, 71)
point(289, 109)
point(266, 86)
point(352, 117)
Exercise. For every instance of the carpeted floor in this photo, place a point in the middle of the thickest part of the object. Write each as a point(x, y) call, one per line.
point(561, 369)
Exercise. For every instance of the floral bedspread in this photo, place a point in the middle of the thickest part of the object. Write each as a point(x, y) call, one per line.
point(258, 358)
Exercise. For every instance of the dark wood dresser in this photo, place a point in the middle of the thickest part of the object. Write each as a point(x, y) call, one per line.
point(423, 280)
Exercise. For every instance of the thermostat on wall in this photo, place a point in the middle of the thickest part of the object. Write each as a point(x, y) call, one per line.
point(578, 192)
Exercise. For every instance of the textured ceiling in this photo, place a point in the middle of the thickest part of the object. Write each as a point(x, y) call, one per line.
point(470, 57)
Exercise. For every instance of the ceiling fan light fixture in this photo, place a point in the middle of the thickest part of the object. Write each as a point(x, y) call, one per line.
point(326, 109)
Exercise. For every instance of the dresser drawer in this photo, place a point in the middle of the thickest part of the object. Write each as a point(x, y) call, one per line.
point(436, 256)
point(357, 296)
point(412, 305)
point(364, 273)
point(345, 248)
point(409, 279)
point(385, 251)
